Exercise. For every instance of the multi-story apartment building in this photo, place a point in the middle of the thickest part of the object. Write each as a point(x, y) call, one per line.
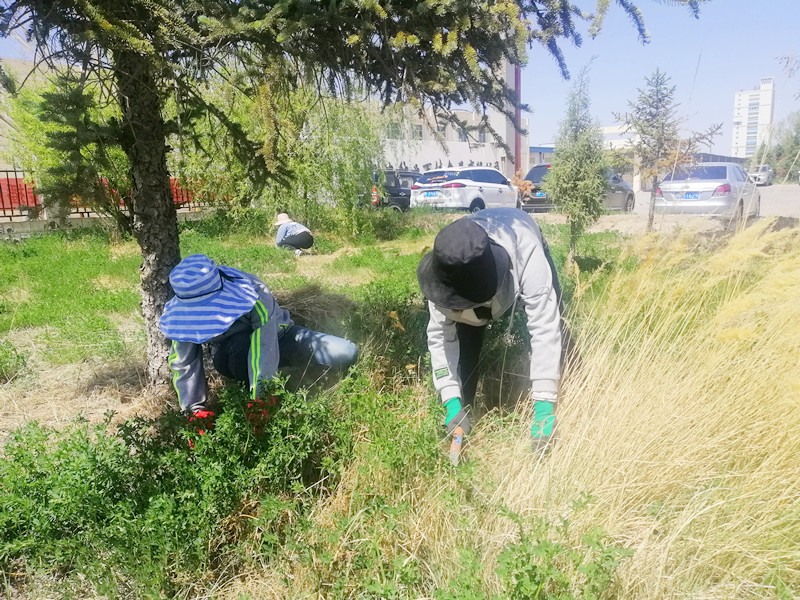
point(752, 118)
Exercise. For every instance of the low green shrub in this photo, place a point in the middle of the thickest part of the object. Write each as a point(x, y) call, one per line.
point(548, 562)
point(12, 362)
point(140, 508)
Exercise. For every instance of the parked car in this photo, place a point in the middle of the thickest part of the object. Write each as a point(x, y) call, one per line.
point(719, 188)
point(396, 190)
point(470, 188)
point(763, 175)
point(619, 193)
point(536, 200)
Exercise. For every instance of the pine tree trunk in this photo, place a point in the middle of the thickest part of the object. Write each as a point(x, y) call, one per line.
point(652, 210)
point(155, 222)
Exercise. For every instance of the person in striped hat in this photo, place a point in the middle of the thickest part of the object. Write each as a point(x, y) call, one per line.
point(250, 336)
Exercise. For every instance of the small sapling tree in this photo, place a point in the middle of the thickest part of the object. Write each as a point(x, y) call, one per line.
point(576, 181)
point(657, 144)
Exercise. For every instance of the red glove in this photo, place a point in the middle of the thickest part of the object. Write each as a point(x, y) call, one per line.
point(203, 420)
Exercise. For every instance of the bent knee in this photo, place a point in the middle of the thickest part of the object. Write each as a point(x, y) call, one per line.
point(347, 354)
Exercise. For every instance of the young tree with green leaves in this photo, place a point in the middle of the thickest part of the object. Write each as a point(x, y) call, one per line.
point(63, 136)
point(440, 54)
point(576, 181)
point(658, 145)
point(786, 150)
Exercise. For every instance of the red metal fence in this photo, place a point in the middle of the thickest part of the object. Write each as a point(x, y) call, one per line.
point(18, 198)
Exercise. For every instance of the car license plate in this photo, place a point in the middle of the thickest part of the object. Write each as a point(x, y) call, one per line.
point(691, 196)
point(540, 194)
point(432, 194)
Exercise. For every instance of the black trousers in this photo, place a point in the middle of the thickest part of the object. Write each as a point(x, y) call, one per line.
point(303, 240)
point(470, 341)
point(298, 347)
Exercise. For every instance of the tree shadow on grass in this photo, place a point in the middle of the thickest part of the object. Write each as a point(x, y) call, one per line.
point(128, 378)
point(590, 264)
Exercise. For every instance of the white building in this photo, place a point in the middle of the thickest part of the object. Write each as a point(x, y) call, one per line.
point(752, 118)
point(412, 142)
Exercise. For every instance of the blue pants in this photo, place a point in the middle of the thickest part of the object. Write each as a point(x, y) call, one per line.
point(299, 347)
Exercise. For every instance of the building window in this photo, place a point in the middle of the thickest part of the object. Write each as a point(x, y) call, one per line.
point(441, 128)
point(416, 131)
point(462, 135)
point(482, 137)
point(393, 130)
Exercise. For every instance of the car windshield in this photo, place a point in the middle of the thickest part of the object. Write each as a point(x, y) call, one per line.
point(442, 176)
point(695, 173)
point(537, 173)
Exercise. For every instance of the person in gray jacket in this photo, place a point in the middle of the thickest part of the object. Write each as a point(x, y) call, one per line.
point(248, 333)
point(481, 266)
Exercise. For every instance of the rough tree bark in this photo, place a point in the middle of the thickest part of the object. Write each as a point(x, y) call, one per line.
point(155, 222)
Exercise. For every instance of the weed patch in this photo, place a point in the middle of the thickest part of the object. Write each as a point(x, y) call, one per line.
point(12, 362)
point(141, 506)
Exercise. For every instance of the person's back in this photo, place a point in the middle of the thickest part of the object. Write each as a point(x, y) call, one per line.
point(292, 235)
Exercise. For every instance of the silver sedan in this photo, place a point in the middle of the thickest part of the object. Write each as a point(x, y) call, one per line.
point(719, 188)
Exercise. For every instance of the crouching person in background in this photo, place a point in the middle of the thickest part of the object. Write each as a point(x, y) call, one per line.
point(292, 235)
point(250, 336)
point(481, 266)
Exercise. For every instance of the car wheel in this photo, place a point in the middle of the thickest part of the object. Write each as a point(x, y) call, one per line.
point(396, 207)
point(757, 212)
point(630, 202)
point(476, 205)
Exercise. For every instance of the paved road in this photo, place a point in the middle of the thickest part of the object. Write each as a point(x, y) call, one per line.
point(776, 200)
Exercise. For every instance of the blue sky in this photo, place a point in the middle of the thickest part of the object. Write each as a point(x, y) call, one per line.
point(729, 48)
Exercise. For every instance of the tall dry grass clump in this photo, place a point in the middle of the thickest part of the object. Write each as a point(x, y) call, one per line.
point(683, 421)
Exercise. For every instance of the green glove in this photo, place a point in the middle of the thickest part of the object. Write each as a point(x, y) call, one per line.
point(544, 420)
point(456, 416)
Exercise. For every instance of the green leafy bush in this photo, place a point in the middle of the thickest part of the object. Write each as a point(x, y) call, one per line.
point(12, 362)
point(141, 506)
point(548, 562)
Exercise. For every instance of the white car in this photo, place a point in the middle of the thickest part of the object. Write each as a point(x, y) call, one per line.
point(470, 188)
point(763, 175)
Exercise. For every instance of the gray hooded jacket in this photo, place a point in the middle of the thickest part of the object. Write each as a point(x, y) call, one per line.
point(531, 282)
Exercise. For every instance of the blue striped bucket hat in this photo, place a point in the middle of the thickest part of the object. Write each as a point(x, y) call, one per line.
point(208, 298)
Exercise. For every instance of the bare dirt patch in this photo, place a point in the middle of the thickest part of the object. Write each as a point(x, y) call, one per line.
point(54, 395)
point(636, 224)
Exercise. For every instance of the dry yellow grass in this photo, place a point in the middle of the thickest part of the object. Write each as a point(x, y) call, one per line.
point(683, 423)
